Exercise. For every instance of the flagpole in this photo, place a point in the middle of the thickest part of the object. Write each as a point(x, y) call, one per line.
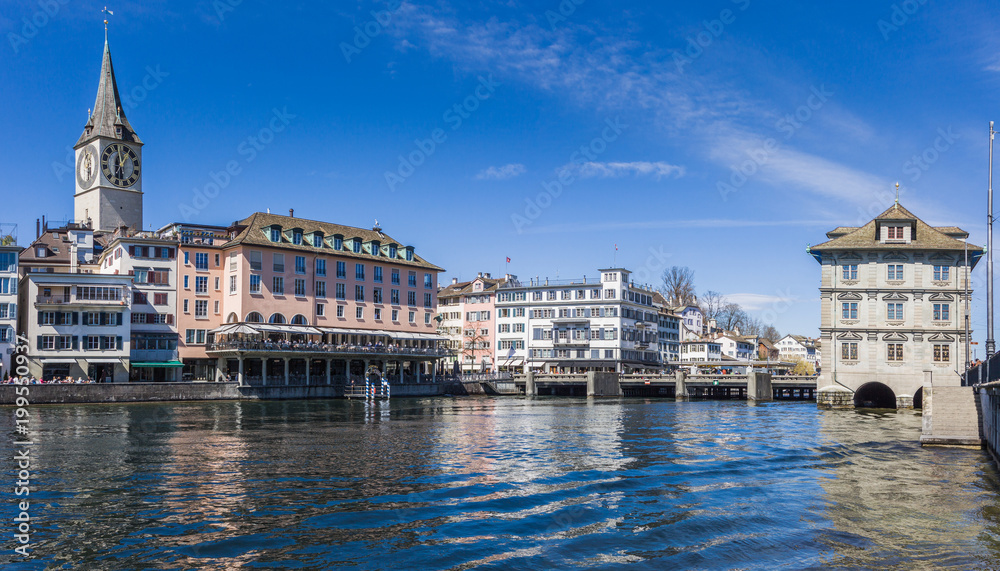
point(990, 344)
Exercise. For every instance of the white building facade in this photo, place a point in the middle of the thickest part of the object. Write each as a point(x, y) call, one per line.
point(575, 326)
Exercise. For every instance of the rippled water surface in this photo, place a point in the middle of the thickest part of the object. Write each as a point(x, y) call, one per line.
point(498, 484)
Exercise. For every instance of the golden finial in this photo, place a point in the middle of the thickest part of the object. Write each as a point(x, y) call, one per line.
point(897, 193)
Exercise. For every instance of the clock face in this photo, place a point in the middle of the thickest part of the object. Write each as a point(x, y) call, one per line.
point(86, 167)
point(120, 165)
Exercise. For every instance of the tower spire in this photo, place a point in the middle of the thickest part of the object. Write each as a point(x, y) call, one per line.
point(108, 117)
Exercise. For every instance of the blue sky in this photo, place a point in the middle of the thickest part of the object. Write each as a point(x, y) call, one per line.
point(644, 112)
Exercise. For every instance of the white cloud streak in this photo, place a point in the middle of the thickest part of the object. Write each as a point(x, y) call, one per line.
point(657, 170)
point(502, 173)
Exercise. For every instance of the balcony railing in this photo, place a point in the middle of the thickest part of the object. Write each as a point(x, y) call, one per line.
point(65, 299)
point(328, 348)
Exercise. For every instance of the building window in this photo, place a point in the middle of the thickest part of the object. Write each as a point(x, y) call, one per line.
point(895, 232)
point(411, 279)
point(297, 238)
point(300, 264)
point(320, 307)
point(413, 317)
point(941, 273)
point(411, 298)
point(341, 270)
point(320, 267)
point(359, 293)
point(894, 311)
point(218, 282)
point(942, 312)
point(201, 261)
point(255, 260)
point(201, 308)
point(895, 272)
point(278, 285)
point(278, 262)
point(186, 302)
point(187, 284)
point(159, 299)
point(377, 271)
point(275, 235)
point(395, 315)
point(894, 351)
point(232, 284)
point(378, 314)
point(359, 313)
point(851, 272)
point(394, 297)
point(850, 310)
point(338, 243)
point(320, 289)
point(357, 246)
point(201, 284)
point(340, 311)
point(428, 281)
point(317, 240)
point(359, 272)
point(216, 260)
point(216, 307)
point(395, 277)
point(300, 287)
point(942, 353)
point(427, 300)
point(254, 283)
point(849, 351)
point(377, 295)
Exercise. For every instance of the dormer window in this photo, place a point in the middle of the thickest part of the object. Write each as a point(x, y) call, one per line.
point(376, 248)
point(894, 233)
point(297, 237)
point(357, 246)
point(317, 240)
point(392, 251)
point(118, 131)
point(40, 251)
point(409, 254)
point(275, 234)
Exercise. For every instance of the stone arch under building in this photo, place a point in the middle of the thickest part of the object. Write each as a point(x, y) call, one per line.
point(918, 398)
point(874, 395)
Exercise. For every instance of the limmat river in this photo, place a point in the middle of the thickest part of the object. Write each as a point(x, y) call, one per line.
point(491, 483)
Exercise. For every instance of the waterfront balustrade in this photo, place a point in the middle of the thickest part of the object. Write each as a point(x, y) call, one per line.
point(327, 348)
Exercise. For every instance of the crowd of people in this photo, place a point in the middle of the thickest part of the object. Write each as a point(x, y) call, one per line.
point(53, 381)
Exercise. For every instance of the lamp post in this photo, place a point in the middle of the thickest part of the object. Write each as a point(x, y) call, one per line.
point(990, 344)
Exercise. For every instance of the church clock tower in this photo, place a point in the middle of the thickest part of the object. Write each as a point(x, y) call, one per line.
point(108, 162)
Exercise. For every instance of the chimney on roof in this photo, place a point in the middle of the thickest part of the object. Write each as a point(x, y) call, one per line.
point(291, 213)
point(479, 275)
point(454, 281)
point(38, 228)
point(488, 276)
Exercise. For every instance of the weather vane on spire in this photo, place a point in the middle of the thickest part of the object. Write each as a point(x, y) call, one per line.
point(109, 13)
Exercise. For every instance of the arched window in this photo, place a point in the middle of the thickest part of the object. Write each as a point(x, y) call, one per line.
point(233, 318)
point(254, 317)
point(299, 320)
point(277, 318)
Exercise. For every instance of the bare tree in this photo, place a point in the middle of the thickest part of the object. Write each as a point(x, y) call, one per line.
point(751, 326)
point(731, 316)
point(770, 333)
point(678, 286)
point(711, 303)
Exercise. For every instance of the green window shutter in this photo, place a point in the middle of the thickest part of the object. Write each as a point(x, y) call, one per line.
point(118, 342)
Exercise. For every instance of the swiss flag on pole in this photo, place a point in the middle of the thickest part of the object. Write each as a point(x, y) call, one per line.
point(508, 259)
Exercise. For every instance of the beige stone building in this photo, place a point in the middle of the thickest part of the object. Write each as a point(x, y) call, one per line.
point(893, 298)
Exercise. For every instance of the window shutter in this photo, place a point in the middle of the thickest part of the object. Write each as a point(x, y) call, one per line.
point(170, 319)
point(39, 340)
point(119, 323)
point(118, 341)
point(76, 342)
point(76, 318)
point(131, 251)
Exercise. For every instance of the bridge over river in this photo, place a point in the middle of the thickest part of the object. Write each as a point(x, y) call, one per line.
point(755, 386)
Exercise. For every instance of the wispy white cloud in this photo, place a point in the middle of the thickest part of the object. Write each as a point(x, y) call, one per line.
point(671, 224)
point(502, 173)
point(613, 71)
point(657, 170)
point(758, 301)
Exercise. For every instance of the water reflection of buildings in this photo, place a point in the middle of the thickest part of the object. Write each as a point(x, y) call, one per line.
point(889, 503)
